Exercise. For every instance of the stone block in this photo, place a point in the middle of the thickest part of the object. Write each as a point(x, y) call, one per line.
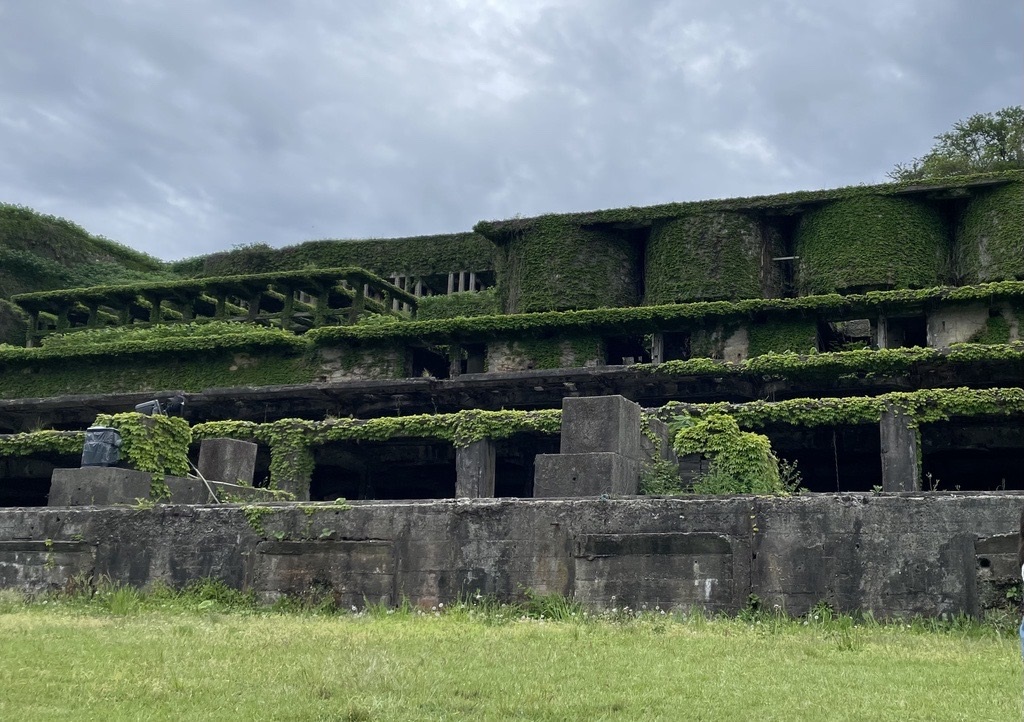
point(107, 485)
point(474, 469)
point(599, 424)
point(227, 460)
point(590, 474)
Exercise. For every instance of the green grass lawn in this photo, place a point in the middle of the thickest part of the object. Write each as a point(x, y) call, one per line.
point(125, 658)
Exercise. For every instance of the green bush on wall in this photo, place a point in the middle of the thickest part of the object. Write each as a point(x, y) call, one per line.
point(552, 265)
point(870, 242)
point(419, 256)
point(797, 335)
point(990, 239)
point(711, 256)
point(455, 305)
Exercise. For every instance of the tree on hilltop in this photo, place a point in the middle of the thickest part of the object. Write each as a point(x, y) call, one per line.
point(983, 143)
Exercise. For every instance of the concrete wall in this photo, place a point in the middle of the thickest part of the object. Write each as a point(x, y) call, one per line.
point(895, 554)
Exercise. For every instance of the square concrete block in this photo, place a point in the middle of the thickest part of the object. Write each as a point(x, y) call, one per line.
point(227, 460)
point(107, 485)
point(601, 424)
point(585, 475)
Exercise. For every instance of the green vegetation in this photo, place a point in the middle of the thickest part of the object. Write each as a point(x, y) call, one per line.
point(120, 654)
point(922, 406)
point(42, 442)
point(648, 319)
point(417, 256)
point(453, 305)
point(38, 251)
point(798, 334)
point(741, 462)
point(502, 231)
point(870, 242)
point(990, 233)
point(553, 265)
point(983, 143)
point(713, 256)
point(158, 444)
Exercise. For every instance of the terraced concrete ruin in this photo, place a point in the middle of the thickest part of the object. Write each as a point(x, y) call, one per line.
point(555, 403)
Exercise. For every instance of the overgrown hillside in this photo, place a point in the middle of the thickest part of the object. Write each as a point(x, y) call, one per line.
point(40, 253)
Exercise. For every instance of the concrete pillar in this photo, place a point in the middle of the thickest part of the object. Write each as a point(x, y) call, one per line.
point(292, 470)
point(882, 332)
point(900, 469)
point(454, 360)
point(227, 460)
point(658, 348)
point(474, 470)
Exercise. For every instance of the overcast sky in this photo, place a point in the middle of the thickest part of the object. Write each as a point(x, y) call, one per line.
point(186, 127)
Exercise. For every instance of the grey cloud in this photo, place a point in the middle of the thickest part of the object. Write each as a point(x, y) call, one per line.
point(184, 128)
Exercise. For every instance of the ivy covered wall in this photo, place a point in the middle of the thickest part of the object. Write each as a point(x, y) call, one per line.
point(711, 256)
point(797, 335)
point(418, 256)
point(554, 265)
point(990, 238)
point(870, 242)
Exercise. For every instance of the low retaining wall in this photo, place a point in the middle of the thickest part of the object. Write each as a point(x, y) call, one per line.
point(893, 554)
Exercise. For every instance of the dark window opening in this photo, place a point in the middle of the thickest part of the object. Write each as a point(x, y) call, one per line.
point(676, 346)
point(426, 362)
point(906, 331)
point(847, 335)
point(972, 455)
point(625, 350)
point(25, 480)
point(394, 469)
point(841, 458)
point(514, 463)
point(474, 359)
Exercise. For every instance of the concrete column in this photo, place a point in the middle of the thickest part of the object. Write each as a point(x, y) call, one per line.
point(454, 360)
point(900, 470)
point(474, 470)
point(882, 332)
point(658, 348)
point(296, 466)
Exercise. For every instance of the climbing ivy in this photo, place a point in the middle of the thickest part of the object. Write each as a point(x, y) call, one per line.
point(990, 233)
point(741, 462)
point(290, 440)
point(709, 256)
point(453, 305)
point(555, 265)
point(799, 335)
point(417, 256)
point(158, 444)
point(41, 442)
point(870, 241)
point(922, 406)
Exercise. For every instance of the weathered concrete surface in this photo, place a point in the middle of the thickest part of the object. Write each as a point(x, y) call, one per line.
point(955, 323)
point(900, 468)
point(591, 474)
point(897, 554)
point(229, 460)
point(601, 423)
point(105, 485)
point(474, 469)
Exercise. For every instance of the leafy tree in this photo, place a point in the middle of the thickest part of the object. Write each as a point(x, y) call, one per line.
point(983, 143)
